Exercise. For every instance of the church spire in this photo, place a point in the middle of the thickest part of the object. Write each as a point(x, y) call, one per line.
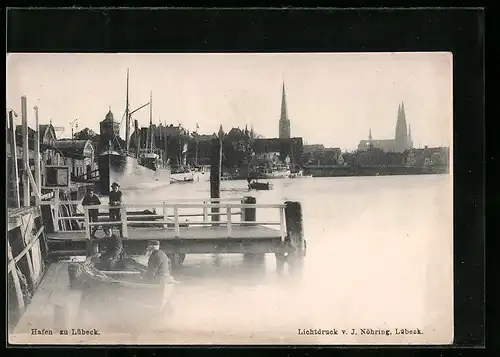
point(401, 135)
point(410, 140)
point(284, 114)
point(284, 122)
point(221, 132)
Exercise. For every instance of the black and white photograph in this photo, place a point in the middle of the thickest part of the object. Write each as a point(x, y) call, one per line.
point(230, 198)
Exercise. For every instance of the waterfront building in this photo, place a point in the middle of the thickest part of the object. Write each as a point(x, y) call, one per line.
point(77, 154)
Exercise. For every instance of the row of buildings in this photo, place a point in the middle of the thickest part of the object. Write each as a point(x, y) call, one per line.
point(77, 154)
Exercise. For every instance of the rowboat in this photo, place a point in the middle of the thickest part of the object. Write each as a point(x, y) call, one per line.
point(120, 296)
point(260, 186)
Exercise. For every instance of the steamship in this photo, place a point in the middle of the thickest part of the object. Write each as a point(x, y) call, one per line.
point(139, 170)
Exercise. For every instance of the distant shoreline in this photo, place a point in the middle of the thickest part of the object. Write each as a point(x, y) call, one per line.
point(374, 170)
point(353, 171)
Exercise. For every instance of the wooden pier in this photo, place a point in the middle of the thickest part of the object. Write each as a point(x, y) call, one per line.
point(236, 229)
point(185, 226)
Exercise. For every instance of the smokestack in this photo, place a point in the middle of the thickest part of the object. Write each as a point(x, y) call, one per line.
point(137, 139)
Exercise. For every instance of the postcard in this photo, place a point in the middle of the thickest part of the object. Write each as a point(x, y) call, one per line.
point(230, 198)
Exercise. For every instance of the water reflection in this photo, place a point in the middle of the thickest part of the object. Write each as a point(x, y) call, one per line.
point(369, 243)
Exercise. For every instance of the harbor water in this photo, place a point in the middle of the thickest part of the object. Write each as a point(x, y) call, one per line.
point(379, 256)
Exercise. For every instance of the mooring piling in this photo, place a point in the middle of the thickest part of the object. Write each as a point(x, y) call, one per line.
point(215, 175)
point(13, 156)
point(38, 174)
point(26, 164)
point(248, 214)
point(295, 233)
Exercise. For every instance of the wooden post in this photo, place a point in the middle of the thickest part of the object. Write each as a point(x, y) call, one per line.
point(87, 221)
point(38, 175)
point(205, 212)
point(248, 214)
point(229, 221)
point(294, 228)
point(124, 222)
point(165, 216)
point(282, 224)
point(15, 278)
point(27, 242)
point(215, 174)
point(13, 149)
point(26, 163)
point(35, 187)
point(176, 222)
point(56, 210)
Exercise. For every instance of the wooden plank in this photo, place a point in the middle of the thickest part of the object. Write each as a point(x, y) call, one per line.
point(18, 212)
point(15, 169)
point(12, 261)
point(14, 223)
point(26, 232)
point(26, 165)
point(15, 277)
point(37, 259)
point(38, 174)
point(146, 233)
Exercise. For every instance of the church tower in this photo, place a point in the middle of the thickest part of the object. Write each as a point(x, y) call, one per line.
point(284, 123)
point(410, 140)
point(401, 137)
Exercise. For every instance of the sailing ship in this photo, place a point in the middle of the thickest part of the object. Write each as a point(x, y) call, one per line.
point(152, 157)
point(117, 164)
point(183, 173)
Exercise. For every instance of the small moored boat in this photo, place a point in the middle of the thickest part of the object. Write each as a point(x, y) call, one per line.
point(260, 186)
point(119, 296)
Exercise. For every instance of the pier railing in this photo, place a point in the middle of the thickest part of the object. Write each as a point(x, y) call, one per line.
point(176, 214)
point(171, 216)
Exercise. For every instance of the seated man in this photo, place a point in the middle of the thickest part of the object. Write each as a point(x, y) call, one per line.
point(159, 265)
point(113, 249)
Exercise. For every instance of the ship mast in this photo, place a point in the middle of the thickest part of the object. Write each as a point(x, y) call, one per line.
point(165, 144)
point(151, 136)
point(128, 115)
point(127, 119)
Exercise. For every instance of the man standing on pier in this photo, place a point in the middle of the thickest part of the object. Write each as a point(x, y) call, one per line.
point(115, 199)
point(91, 199)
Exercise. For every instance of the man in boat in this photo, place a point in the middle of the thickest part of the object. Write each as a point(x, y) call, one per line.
point(159, 265)
point(113, 249)
point(91, 199)
point(115, 199)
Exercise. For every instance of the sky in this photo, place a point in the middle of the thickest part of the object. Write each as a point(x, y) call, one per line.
point(332, 98)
